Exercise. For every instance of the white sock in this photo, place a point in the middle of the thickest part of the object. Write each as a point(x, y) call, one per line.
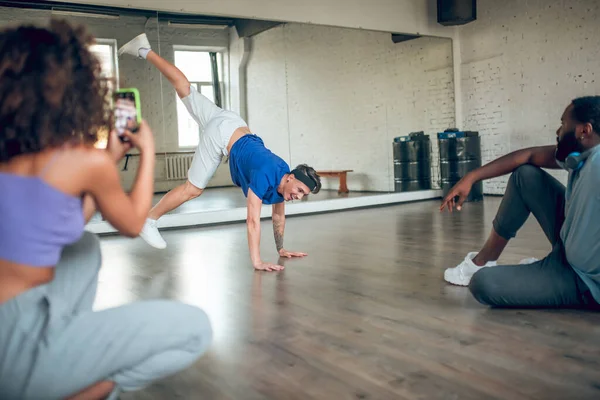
point(144, 52)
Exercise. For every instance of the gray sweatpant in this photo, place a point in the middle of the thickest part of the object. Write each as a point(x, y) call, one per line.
point(53, 345)
point(548, 283)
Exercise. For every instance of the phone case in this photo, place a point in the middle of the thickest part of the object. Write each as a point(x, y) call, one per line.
point(136, 96)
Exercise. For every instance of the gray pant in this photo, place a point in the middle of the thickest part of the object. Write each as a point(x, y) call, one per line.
point(548, 283)
point(53, 345)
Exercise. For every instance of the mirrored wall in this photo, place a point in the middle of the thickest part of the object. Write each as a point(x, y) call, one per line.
point(333, 98)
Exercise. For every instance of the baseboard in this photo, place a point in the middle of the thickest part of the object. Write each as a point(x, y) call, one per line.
point(292, 209)
point(163, 192)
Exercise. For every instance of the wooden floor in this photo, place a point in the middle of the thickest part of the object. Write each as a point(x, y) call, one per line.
point(366, 315)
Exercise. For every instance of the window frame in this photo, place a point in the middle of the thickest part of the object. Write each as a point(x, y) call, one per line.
point(115, 69)
point(115, 58)
point(221, 52)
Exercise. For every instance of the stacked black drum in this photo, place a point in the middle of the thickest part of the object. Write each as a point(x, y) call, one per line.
point(460, 152)
point(412, 162)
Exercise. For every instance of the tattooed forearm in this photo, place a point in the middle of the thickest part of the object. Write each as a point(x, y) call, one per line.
point(278, 226)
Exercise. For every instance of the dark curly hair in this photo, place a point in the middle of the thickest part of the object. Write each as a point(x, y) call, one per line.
point(51, 89)
point(587, 109)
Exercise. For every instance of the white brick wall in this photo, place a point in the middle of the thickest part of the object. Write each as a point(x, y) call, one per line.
point(522, 63)
point(351, 91)
point(337, 97)
point(485, 111)
point(266, 92)
point(424, 97)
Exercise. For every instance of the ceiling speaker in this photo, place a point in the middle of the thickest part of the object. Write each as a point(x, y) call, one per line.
point(456, 12)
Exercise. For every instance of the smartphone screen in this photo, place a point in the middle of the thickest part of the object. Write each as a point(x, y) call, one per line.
point(125, 112)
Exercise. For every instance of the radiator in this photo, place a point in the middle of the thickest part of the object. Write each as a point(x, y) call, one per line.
point(178, 165)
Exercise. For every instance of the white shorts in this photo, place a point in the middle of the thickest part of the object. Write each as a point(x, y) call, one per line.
point(216, 128)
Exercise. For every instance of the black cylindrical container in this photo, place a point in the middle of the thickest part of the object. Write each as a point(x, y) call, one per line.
point(458, 156)
point(412, 163)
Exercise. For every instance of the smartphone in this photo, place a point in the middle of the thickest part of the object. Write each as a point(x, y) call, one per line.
point(127, 109)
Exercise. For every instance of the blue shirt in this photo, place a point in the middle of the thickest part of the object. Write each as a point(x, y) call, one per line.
point(580, 232)
point(254, 166)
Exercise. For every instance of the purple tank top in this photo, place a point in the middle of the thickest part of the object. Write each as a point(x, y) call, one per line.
point(38, 220)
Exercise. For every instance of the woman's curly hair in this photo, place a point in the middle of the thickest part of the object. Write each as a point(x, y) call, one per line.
point(51, 89)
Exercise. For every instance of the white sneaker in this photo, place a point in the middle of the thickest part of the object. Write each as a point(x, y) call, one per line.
point(134, 46)
point(151, 235)
point(529, 260)
point(462, 273)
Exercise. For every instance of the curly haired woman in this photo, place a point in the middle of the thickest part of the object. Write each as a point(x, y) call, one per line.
point(52, 345)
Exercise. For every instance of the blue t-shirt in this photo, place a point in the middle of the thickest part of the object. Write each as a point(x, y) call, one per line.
point(580, 232)
point(254, 166)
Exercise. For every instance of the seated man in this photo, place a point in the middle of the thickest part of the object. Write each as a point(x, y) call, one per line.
point(570, 275)
point(263, 176)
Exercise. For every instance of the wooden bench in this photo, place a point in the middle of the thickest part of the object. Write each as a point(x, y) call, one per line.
point(342, 174)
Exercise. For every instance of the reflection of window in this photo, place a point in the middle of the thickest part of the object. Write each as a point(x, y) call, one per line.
point(202, 69)
point(105, 51)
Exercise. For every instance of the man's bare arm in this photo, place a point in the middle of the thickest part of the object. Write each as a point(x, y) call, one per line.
point(278, 230)
point(542, 156)
point(278, 224)
point(254, 205)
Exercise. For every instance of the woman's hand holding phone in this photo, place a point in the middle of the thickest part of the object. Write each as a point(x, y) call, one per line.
point(127, 212)
point(143, 139)
point(116, 147)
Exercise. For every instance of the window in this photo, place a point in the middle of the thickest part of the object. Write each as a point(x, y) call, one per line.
point(203, 70)
point(105, 50)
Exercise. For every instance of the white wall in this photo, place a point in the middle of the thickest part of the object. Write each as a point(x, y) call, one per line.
point(267, 91)
point(402, 16)
point(337, 97)
point(522, 63)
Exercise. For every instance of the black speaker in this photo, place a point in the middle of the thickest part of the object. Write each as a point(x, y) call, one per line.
point(456, 12)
